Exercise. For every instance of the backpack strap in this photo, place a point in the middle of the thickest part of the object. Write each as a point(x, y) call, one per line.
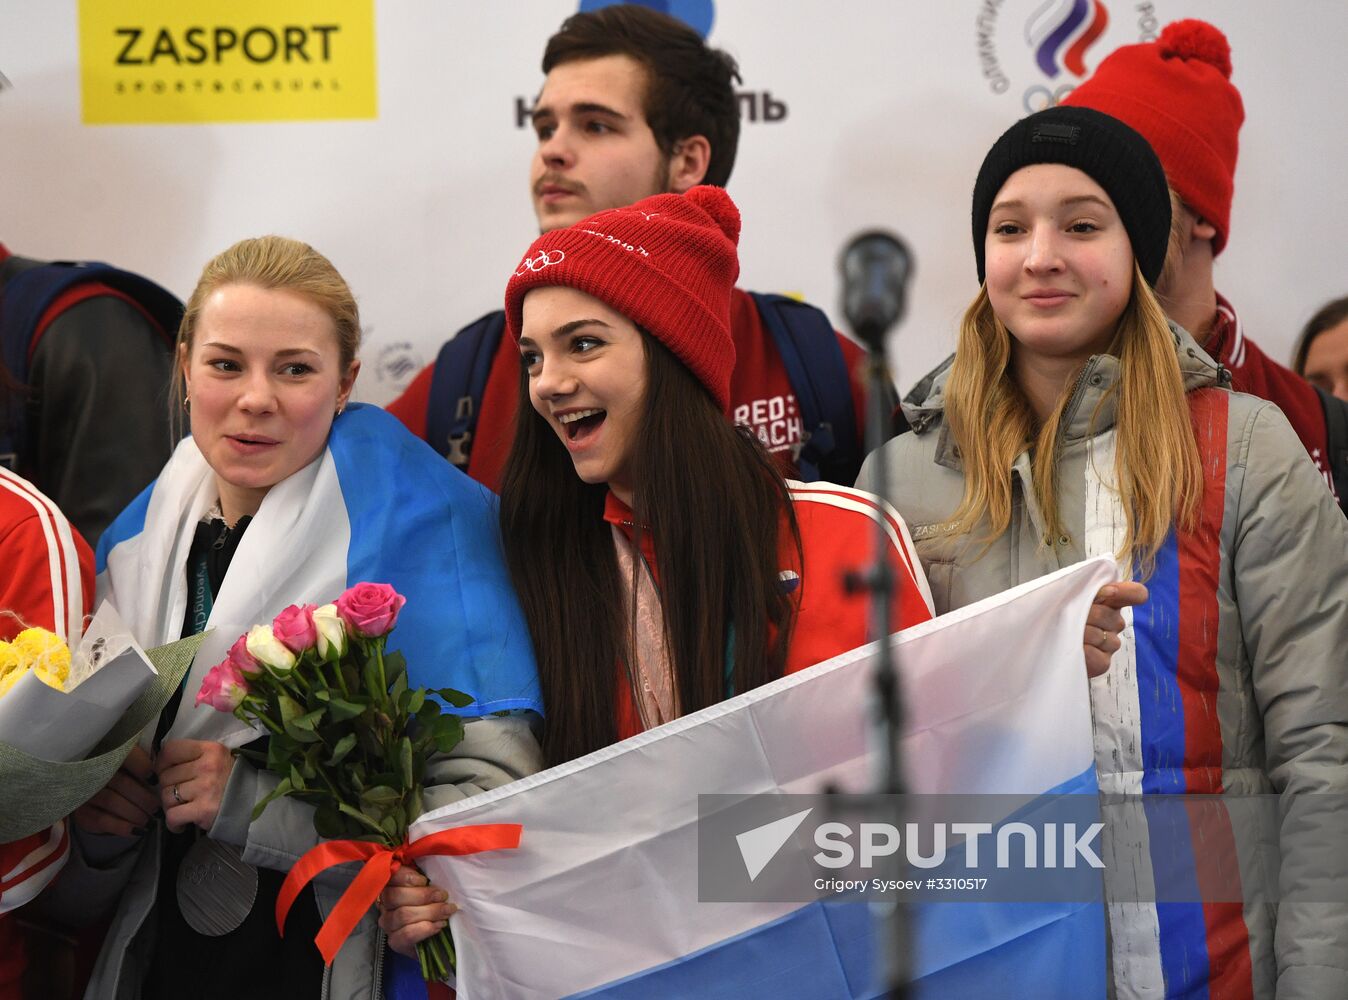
point(819, 378)
point(31, 292)
point(1336, 443)
point(12, 414)
point(27, 291)
point(457, 385)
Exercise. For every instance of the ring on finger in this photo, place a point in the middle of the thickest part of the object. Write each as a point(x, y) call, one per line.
point(178, 798)
point(1104, 638)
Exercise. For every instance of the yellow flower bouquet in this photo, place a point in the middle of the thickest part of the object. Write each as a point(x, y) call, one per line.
point(68, 718)
point(38, 651)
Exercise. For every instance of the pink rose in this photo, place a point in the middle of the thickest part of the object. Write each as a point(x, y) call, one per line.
point(224, 687)
point(242, 660)
point(370, 609)
point(294, 627)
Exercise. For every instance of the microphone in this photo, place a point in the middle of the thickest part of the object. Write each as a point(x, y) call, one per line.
point(875, 269)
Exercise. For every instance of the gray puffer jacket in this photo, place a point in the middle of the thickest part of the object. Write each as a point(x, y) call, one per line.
point(1232, 678)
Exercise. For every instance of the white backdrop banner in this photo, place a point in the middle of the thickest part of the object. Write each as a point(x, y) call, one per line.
point(391, 136)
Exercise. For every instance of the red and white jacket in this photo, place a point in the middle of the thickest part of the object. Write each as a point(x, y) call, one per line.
point(1254, 372)
point(48, 582)
point(837, 534)
point(49, 570)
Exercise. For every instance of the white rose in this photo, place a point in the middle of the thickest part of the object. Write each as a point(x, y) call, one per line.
point(270, 651)
point(331, 632)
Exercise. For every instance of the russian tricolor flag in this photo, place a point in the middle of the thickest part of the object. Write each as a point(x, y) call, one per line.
point(601, 898)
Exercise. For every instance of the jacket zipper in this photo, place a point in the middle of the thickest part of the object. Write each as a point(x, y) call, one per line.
point(1074, 400)
point(377, 993)
point(376, 980)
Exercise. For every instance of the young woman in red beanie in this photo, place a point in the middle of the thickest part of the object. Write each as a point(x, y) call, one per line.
point(1074, 422)
point(1176, 91)
point(662, 561)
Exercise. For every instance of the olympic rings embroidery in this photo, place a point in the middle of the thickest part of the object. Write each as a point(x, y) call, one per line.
point(540, 260)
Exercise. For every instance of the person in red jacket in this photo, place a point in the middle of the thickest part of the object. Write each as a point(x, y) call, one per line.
point(47, 582)
point(635, 104)
point(662, 561)
point(1177, 93)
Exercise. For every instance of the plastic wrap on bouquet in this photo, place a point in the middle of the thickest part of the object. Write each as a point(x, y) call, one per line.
point(601, 898)
point(57, 748)
point(108, 672)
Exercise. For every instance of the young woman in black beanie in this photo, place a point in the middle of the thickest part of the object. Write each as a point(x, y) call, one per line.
point(1075, 421)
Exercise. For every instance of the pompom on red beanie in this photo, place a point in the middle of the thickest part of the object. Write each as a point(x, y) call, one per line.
point(1177, 92)
point(668, 263)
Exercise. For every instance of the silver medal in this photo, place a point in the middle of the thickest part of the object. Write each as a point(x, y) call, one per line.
point(216, 888)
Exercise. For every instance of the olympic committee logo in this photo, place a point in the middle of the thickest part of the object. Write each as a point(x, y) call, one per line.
point(397, 364)
point(540, 260)
point(1037, 51)
point(151, 61)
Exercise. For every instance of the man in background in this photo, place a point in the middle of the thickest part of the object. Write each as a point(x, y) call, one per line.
point(635, 104)
point(1177, 92)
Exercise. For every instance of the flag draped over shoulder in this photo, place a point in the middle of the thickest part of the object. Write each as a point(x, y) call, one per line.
point(378, 505)
point(601, 898)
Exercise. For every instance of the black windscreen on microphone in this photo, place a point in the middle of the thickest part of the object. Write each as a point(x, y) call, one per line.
point(875, 268)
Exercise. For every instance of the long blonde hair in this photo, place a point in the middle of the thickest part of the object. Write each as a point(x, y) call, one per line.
point(1156, 464)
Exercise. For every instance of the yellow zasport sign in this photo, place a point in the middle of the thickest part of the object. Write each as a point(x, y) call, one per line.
point(244, 61)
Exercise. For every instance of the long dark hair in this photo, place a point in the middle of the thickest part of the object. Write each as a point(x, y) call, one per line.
point(715, 505)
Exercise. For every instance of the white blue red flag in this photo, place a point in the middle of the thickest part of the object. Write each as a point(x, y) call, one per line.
point(602, 897)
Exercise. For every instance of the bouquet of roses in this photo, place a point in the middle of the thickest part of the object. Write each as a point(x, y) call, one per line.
point(347, 733)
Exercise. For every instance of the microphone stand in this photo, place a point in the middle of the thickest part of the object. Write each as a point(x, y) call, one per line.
point(879, 581)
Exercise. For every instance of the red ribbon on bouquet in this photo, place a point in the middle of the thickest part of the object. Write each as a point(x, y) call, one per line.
point(380, 864)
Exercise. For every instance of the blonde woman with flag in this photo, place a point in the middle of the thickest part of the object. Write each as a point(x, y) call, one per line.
point(284, 493)
point(1075, 421)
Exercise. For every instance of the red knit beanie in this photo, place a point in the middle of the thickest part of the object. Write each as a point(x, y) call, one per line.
point(667, 263)
point(1177, 92)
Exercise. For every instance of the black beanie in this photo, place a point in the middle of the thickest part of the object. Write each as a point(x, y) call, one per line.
point(1106, 150)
